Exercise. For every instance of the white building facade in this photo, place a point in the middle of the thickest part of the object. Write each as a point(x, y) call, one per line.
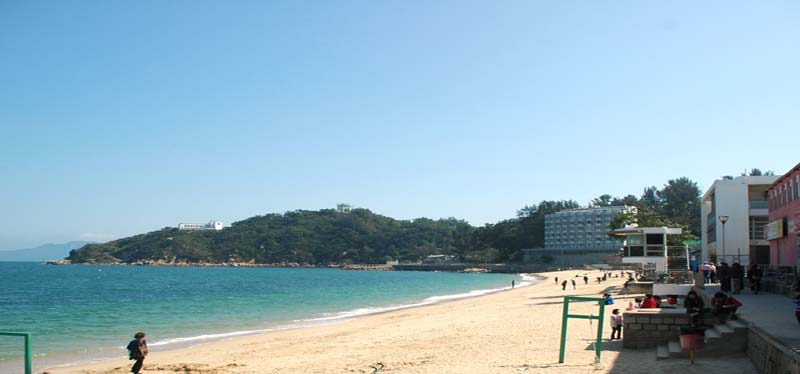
point(742, 203)
point(211, 225)
point(582, 228)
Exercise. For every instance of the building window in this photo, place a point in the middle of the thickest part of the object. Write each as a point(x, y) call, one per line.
point(785, 196)
point(769, 199)
point(797, 187)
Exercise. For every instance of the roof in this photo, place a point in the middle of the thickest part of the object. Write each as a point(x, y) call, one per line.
point(782, 177)
point(647, 230)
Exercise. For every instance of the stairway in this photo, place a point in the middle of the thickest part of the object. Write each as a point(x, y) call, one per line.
point(722, 339)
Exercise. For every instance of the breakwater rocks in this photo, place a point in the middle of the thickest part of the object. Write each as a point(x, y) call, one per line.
point(367, 267)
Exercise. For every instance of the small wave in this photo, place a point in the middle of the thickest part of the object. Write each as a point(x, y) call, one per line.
point(329, 318)
point(207, 337)
point(527, 280)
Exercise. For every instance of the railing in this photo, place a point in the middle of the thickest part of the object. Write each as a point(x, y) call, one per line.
point(759, 205)
point(28, 355)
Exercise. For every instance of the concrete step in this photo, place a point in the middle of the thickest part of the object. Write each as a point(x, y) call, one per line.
point(735, 325)
point(711, 334)
point(662, 352)
point(723, 329)
point(674, 346)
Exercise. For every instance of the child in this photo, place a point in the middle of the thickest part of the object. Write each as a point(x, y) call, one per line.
point(616, 324)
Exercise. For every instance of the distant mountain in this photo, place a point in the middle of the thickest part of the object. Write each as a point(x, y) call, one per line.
point(42, 253)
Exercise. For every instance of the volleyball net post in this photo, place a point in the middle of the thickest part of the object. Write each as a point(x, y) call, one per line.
point(602, 306)
point(28, 353)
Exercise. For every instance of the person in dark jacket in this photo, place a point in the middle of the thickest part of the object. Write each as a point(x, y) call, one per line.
point(724, 307)
point(724, 275)
point(137, 349)
point(754, 276)
point(694, 306)
point(737, 276)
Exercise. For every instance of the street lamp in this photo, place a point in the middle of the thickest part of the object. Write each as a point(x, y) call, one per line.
point(723, 219)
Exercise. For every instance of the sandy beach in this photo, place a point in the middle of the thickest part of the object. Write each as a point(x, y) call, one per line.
point(515, 331)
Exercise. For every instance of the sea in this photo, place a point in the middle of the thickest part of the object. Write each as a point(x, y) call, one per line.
point(84, 313)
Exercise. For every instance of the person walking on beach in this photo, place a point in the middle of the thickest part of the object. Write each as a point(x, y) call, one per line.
point(556, 280)
point(585, 279)
point(137, 349)
point(573, 285)
point(616, 324)
point(563, 285)
point(512, 283)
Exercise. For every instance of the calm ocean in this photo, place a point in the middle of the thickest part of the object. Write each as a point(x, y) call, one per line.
point(83, 312)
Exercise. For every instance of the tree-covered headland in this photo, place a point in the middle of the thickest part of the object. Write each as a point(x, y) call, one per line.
point(361, 236)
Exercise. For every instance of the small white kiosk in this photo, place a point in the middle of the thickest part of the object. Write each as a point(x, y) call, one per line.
point(646, 246)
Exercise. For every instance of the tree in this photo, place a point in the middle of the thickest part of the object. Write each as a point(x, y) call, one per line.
point(645, 217)
point(601, 201)
point(680, 203)
point(650, 198)
point(628, 200)
point(755, 172)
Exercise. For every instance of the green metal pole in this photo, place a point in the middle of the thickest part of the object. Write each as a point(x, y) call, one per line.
point(599, 346)
point(28, 353)
point(563, 331)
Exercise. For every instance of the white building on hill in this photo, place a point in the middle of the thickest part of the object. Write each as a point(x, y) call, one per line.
point(211, 225)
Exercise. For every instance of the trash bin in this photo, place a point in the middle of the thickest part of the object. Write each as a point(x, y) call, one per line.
point(692, 338)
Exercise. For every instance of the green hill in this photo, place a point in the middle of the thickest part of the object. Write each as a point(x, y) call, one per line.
point(311, 237)
point(326, 236)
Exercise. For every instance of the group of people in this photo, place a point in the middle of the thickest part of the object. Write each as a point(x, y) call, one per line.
point(731, 278)
point(564, 283)
point(723, 306)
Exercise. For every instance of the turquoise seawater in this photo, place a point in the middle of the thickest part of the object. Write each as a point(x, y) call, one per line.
point(83, 312)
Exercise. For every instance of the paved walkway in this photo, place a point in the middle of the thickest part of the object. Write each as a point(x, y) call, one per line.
point(774, 314)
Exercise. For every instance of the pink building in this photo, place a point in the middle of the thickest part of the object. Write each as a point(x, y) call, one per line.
point(784, 218)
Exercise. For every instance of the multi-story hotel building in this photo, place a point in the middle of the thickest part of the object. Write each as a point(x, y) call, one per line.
point(741, 203)
point(582, 228)
point(784, 218)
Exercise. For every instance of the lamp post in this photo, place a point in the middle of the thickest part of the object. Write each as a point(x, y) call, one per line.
point(723, 219)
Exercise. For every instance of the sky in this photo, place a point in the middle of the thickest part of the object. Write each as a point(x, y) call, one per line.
point(118, 118)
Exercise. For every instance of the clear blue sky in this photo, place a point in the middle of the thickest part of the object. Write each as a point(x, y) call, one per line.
point(118, 118)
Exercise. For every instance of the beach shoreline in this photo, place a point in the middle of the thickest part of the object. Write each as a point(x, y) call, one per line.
point(189, 342)
point(503, 332)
